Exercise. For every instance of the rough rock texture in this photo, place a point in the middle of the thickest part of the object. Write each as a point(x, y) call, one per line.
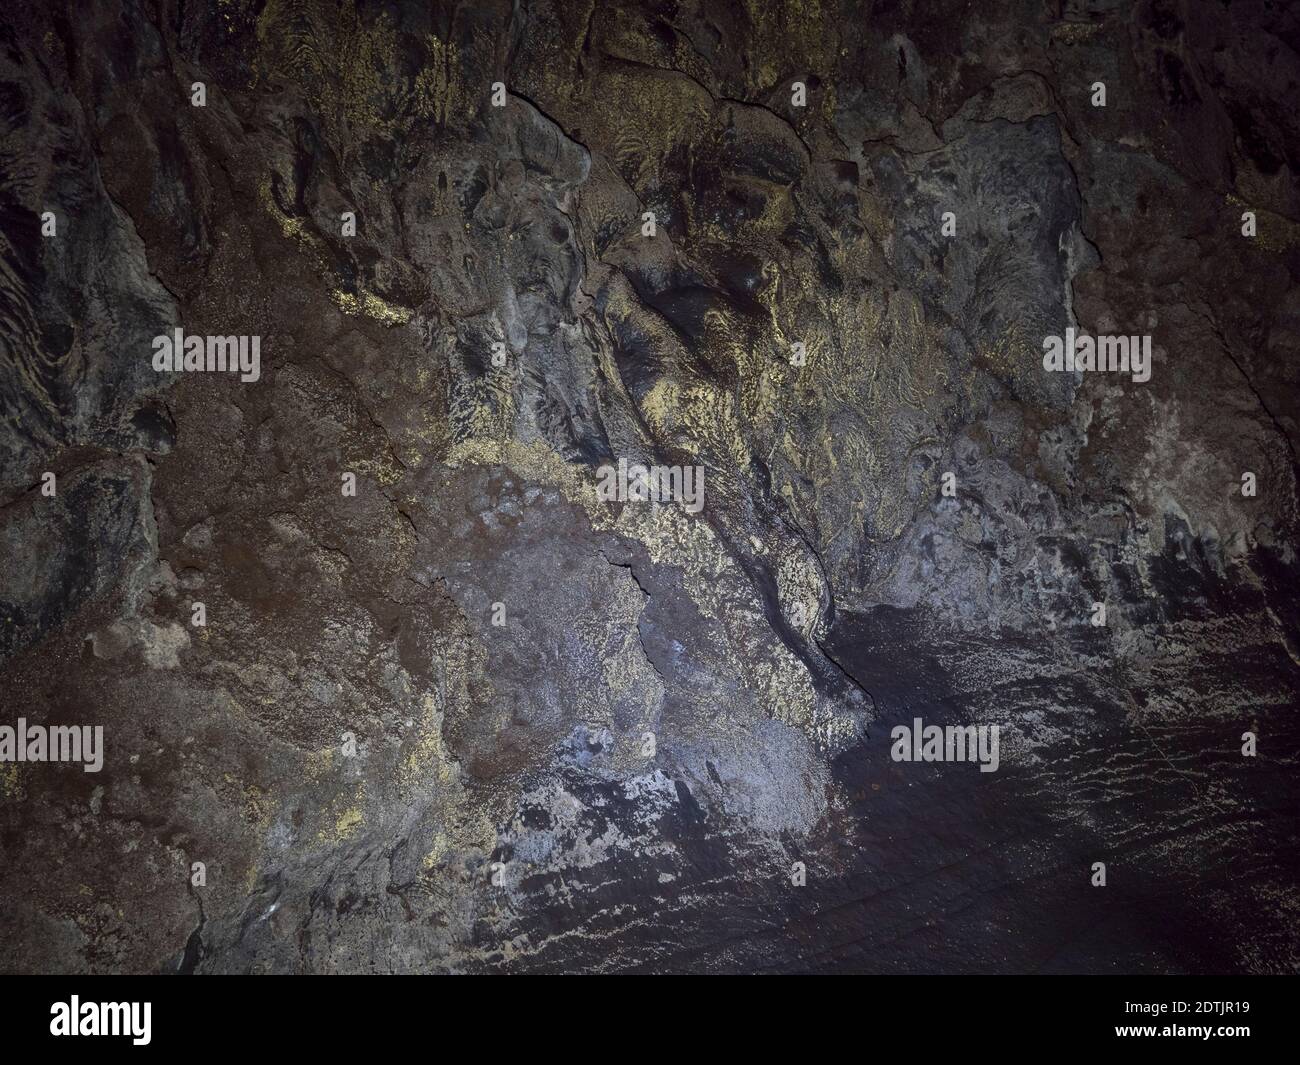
point(679, 706)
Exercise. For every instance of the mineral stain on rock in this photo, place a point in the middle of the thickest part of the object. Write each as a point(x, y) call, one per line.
point(473, 717)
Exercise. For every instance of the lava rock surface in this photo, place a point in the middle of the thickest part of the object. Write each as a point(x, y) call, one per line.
point(476, 718)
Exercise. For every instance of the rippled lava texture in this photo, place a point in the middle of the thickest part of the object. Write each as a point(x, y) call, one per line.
point(504, 809)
